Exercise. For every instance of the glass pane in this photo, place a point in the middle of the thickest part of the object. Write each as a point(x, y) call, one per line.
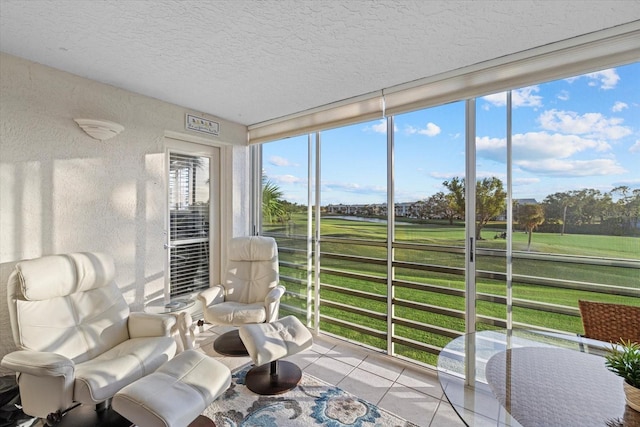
point(491, 208)
point(353, 232)
point(577, 232)
point(429, 152)
point(189, 182)
point(284, 216)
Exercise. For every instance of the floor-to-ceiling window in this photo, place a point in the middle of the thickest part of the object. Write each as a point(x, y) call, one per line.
point(429, 238)
point(286, 216)
point(353, 232)
point(557, 213)
point(576, 152)
point(493, 195)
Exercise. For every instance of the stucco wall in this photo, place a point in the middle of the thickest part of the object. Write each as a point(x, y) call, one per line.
point(62, 191)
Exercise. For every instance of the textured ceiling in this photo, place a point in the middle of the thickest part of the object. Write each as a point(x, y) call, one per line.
point(250, 61)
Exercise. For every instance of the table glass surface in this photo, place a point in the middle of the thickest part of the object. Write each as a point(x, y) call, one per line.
point(175, 305)
point(528, 378)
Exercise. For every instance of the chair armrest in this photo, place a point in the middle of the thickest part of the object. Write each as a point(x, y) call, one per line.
point(272, 303)
point(212, 295)
point(39, 363)
point(150, 325)
point(275, 294)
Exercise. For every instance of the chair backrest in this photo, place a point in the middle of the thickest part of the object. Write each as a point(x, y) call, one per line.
point(67, 304)
point(252, 269)
point(610, 322)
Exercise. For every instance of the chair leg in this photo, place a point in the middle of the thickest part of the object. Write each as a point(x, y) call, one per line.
point(277, 377)
point(230, 344)
point(55, 417)
point(103, 406)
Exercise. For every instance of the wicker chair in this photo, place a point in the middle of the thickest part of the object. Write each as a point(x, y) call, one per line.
point(610, 322)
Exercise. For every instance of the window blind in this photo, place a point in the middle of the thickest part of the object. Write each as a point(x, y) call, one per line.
point(188, 223)
point(607, 48)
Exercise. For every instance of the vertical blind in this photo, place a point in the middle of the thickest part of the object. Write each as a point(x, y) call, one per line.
point(189, 183)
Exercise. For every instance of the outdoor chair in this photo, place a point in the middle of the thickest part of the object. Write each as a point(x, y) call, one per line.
point(610, 322)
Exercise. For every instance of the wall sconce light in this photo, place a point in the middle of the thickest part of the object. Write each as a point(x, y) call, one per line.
point(99, 129)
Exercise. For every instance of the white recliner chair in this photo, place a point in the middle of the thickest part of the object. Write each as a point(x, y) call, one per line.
point(77, 341)
point(250, 292)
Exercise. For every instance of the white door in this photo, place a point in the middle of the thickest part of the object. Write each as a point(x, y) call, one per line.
point(193, 217)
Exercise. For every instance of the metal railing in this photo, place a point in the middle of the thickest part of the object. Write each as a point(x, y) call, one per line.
point(342, 315)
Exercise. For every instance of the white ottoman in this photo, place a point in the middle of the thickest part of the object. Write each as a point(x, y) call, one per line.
point(266, 344)
point(176, 393)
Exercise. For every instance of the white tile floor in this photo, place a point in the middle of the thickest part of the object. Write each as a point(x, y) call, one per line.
point(408, 390)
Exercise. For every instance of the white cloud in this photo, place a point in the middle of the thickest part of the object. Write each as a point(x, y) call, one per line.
point(280, 161)
point(631, 183)
point(446, 175)
point(606, 79)
point(431, 129)
point(352, 187)
point(524, 97)
point(550, 154)
point(563, 95)
point(295, 198)
point(635, 148)
point(525, 181)
point(537, 146)
point(572, 168)
point(497, 99)
point(380, 127)
point(286, 179)
point(593, 125)
point(619, 106)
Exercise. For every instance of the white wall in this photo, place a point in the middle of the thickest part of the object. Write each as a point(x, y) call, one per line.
point(62, 191)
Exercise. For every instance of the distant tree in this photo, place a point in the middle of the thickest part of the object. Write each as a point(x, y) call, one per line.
point(490, 199)
point(590, 203)
point(556, 206)
point(456, 195)
point(627, 207)
point(634, 206)
point(490, 202)
point(443, 206)
point(530, 217)
point(420, 209)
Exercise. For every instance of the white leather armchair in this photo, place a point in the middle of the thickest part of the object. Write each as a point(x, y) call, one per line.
point(250, 292)
point(77, 341)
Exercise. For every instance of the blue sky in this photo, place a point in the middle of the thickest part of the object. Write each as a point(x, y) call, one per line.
point(569, 134)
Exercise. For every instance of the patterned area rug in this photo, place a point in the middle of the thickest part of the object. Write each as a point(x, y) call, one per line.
point(312, 403)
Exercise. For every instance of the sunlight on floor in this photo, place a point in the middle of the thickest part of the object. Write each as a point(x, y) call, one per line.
point(410, 391)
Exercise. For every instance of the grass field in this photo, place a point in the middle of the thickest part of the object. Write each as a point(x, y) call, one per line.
point(442, 234)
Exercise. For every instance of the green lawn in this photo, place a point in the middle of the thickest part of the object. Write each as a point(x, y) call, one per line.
point(441, 233)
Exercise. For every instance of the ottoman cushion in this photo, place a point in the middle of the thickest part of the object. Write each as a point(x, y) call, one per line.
point(267, 342)
point(176, 393)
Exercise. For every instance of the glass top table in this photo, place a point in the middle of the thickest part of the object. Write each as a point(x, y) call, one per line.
point(526, 378)
point(159, 305)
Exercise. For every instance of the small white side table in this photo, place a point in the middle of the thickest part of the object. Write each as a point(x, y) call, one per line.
point(182, 331)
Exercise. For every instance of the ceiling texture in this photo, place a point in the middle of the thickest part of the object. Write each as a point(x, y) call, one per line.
point(251, 61)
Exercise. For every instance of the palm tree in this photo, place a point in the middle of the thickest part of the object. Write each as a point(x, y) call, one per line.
point(272, 207)
point(530, 217)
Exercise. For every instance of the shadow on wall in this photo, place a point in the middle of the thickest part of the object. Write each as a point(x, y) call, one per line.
point(6, 337)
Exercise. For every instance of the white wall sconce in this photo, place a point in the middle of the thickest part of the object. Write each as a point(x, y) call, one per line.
point(99, 129)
